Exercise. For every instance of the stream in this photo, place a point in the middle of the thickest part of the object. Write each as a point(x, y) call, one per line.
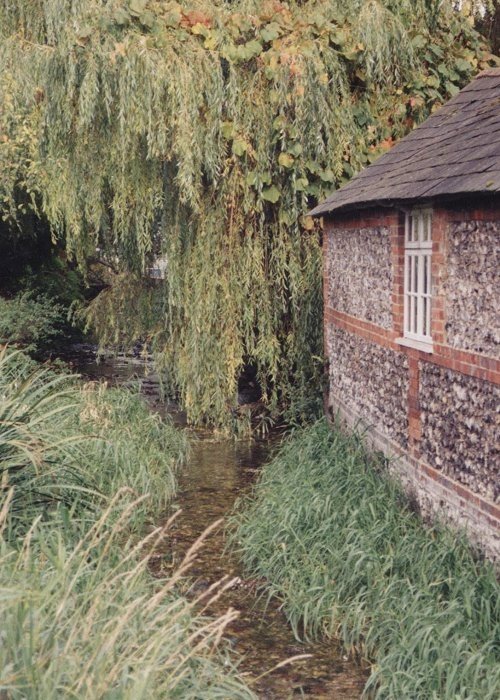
point(216, 474)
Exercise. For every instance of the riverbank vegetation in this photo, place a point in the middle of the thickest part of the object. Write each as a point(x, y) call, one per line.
point(82, 471)
point(340, 545)
point(201, 133)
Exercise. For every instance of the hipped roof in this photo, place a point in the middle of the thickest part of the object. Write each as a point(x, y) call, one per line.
point(455, 151)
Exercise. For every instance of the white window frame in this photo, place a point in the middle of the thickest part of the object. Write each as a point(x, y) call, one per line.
point(418, 276)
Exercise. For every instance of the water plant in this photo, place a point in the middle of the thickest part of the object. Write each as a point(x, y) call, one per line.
point(335, 538)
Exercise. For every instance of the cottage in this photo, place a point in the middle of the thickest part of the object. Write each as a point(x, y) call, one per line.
point(412, 308)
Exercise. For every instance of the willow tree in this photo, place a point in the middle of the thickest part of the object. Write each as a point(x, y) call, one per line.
point(203, 132)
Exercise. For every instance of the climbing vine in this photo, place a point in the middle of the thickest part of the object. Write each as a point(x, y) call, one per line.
point(203, 132)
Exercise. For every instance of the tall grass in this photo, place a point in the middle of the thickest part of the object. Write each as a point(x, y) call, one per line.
point(81, 616)
point(339, 544)
point(62, 441)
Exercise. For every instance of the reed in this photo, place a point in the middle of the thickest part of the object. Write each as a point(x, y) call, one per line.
point(338, 542)
point(81, 616)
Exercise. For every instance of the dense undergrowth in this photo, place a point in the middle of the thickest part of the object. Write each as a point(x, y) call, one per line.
point(340, 545)
point(34, 322)
point(83, 470)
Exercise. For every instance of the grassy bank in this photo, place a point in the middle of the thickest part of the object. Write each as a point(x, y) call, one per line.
point(340, 545)
point(83, 470)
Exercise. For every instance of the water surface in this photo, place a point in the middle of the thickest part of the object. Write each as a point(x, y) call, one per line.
point(217, 473)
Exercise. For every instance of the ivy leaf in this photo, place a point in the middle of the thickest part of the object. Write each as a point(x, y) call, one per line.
point(295, 149)
point(240, 147)
point(271, 194)
point(301, 184)
point(250, 50)
point(419, 41)
point(463, 66)
point(433, 81)
point(270, 31)
point(227, 130)
point(452, 88)
point(327, 175)
point(307, 223)
point(85, 32)
point(338, 37)
point(251, 178)
point(137, 7)
point(211, 42)
point(173, 19)
point(200, 29)
point(121, 16)
point(147, 19)
point(286, 160)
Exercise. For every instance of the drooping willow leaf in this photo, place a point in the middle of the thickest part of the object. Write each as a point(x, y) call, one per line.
point(202, 132)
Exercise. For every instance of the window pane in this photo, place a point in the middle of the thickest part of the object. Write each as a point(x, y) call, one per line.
point(414, 287)
point(428, 223)
point(420, 219)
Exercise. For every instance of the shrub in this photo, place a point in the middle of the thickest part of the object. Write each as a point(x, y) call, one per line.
point(34, 323)
point(339, 544)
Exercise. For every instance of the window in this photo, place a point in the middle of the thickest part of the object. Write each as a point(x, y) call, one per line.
point(417, 278)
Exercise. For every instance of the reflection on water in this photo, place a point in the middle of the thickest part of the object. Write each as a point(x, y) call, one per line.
point(217, 473)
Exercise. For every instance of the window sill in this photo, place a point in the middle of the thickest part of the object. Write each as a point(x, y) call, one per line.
point(415, 344)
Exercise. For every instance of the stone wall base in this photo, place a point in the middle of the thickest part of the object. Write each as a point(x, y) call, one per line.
point(437, 495)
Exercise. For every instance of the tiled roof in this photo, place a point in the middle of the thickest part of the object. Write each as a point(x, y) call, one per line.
point(455, 151)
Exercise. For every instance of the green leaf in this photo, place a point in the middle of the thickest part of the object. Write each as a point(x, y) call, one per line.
point(121, 16)
point(252, 48)
point(85, 32)
point(271, 194)
point(462, 65)
point(286, 160)
point(137, 7)
point(451, 88)
point(295, 149)
point(270, 31)
point(419, 41)
point(147, 19)
point(280, 122)
point(239, 146)
point(173, 19)
point(436, 50)
point(327, 175)
point(227, 130)
point(301, 184)
point(432, 80)
point(251, 178)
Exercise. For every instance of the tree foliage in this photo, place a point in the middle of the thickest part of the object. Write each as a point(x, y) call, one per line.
point(203, 132)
